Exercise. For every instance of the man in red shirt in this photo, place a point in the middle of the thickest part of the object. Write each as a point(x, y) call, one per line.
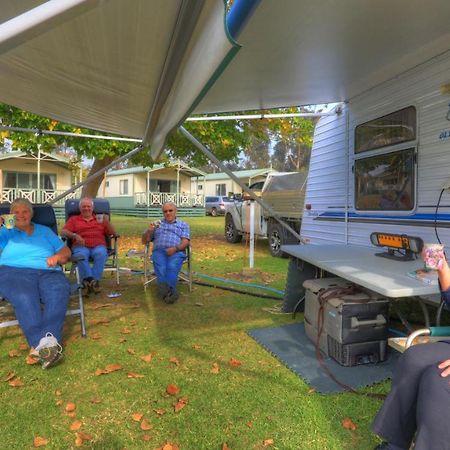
point(87, 232)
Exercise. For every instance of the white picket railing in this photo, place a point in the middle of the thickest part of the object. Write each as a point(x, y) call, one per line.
point(152, 199)
point(8, 195)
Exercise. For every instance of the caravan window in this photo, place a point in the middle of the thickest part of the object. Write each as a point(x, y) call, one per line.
point(390, 129)
point(385, 182)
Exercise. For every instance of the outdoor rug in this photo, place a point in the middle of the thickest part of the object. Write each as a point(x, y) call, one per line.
point(291, 346)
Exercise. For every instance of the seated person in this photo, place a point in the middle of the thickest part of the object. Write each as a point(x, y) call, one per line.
point(170, 239)
point(31, 277)
point(87, 233)
point(419, 402)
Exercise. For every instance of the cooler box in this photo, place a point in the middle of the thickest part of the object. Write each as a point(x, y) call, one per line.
point(355, 326)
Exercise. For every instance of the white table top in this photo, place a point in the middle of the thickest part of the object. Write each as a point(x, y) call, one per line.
point(360, 265)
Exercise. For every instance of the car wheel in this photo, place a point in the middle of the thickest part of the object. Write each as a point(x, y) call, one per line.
point(214, 212)
point(276, 240)
point(231, 233)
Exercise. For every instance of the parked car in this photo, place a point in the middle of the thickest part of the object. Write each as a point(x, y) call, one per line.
point(217, 205)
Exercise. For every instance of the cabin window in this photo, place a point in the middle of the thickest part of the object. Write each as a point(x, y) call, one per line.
point(123, 186)
point(25, 180)
point(391, 129)
point(221, 189)
point(385, 182)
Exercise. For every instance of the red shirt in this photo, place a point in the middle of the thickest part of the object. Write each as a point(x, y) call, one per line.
point(90, 230)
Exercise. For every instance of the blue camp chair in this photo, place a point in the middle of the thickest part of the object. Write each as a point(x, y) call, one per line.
point(45, 215)
point(101, 206)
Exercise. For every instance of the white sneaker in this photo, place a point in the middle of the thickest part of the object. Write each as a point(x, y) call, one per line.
point(50, 351)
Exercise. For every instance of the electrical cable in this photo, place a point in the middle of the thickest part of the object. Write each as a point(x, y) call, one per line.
point(225, 288)
point(435, 216)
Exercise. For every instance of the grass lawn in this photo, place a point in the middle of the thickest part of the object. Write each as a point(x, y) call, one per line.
point(185, 374)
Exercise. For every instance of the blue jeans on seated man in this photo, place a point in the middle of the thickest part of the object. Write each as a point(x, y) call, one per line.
point(28, 290)
point(167, 267)
point(98, 254)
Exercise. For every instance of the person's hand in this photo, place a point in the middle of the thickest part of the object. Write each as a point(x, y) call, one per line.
point(53, 261)
point(446, 366)
point(170, 251)
point(79, 240)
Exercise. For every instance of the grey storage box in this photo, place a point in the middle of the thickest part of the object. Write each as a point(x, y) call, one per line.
point(355, 325)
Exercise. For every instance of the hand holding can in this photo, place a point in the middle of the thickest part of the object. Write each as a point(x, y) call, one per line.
point(433, 256)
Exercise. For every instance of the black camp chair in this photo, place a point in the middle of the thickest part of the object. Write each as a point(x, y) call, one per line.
point(101, 206)
point(45, 215)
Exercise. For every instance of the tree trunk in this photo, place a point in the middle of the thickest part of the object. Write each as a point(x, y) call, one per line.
point(91, 189)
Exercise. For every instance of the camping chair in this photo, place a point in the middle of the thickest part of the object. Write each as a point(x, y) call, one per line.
point(184, 275)
point(101, 206)
point(45, 215)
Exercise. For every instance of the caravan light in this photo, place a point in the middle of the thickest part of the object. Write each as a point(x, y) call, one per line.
point(410, 245)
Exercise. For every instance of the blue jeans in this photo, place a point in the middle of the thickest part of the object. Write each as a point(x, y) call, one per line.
point(28, 290)
point(167, 267)
point(99, 256)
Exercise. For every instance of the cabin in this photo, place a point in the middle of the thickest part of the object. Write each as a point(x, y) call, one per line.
point(40, 177)
point(143, 190)
point(221, 184)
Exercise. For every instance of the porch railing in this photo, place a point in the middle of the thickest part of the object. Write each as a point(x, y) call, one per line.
point(150, 199)
point(8, 195)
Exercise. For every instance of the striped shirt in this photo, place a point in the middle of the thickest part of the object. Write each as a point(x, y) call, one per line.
point(170, 234)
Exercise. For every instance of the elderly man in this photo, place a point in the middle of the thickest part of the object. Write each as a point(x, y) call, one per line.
point(87, 232)
point(170, 238)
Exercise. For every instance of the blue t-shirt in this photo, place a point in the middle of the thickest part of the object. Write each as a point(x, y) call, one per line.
point(18, 249)
point(170, 234)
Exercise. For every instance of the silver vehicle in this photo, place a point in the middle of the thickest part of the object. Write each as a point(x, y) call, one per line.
point(216, 205)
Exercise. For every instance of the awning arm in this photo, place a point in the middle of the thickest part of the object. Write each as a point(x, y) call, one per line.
point(36, 21)
point(245, 188)
point(97, 174)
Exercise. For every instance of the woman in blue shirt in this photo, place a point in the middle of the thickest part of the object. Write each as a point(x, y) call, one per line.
point(32, 280)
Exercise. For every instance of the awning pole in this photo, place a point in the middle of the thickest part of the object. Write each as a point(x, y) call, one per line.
point(97, 174)
point(245, 188)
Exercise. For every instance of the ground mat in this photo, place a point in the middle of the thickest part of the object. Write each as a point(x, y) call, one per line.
point(291, 346)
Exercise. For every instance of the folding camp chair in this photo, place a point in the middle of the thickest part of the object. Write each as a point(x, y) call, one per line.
point(184, 275)
point(101, 206)
point(45, 215)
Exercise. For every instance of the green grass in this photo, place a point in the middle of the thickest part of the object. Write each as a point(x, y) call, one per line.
point(242, 406)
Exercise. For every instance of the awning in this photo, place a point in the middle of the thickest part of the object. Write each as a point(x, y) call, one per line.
point(133, 68)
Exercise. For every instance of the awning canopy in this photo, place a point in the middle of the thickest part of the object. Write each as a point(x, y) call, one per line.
point(138, 68)
point(131, 68)
point(303, 52)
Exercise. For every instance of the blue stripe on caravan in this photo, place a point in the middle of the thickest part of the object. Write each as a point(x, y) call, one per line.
point(353, 215)
point(239, 14)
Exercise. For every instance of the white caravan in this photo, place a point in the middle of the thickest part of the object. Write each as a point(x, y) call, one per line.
point(381, 163)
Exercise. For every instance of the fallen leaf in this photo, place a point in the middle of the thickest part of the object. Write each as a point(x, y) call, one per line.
point(168, 446)
point(80, 437)
point(70, 407)
point(147, 358)
point(234, 362)
point(172, 389)
point(58, 392)
point(196, 347)
point(134, 375)
point(95, 336)
point(174, 361)
point(10, 376)
point(74, 426)
point(182, 402)
point(225, 446)
point(267, 442)
point(249, 424)
point(59, 402)
point(146, 437)
point(100, 322)
point(215, 368)
point(131, 351)
point(40, 441)
point(113, 367)
point(122, 340)
point(348, 424)
point(145, 425)
point(101, 372)
point(125, 331)
point(137, 417)
point(14, 353)
point(72, 414)
point(160, 412)
point(23, 346)
point(78, 441)
point(311, 391)
point(16, 382)
point(96, 400)
point(30, 360)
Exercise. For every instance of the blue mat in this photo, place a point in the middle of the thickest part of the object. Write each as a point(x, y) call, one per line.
point(292, 347)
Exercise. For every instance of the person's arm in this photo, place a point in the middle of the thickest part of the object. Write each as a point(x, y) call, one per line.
point(147, 235)
point(181, 247)
point(69, 232)
point(109, 227)
point(60, 257)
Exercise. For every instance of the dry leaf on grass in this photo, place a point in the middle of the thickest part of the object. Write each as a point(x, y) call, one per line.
point(159, 412)
point(108, 369)
point(131, 351)
point(134, 375)
point(169, 446)
point(80, 437)
point(40, 441)
point(233, 362)
point(180, 404)
point(196, 347)
point(95, 336)
point(122, 340)
point(348, 424)
point(99, 322)
point(215, 368)
point(30, 360)
point(9, 376)
point(174, 360)
point(14, 353)
point(172, 389)
point(59, 402)
point(23, 346)
point(249, 424)
point(147, 358)
point(125, 331)
point(75, 426)
point(146, 425)
point(137, 417)
point(225, 446)
point(70, 407)
point(16, 382)
point(96, 400)
point(146, 437)
point(267, 442)
point(71, 414)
